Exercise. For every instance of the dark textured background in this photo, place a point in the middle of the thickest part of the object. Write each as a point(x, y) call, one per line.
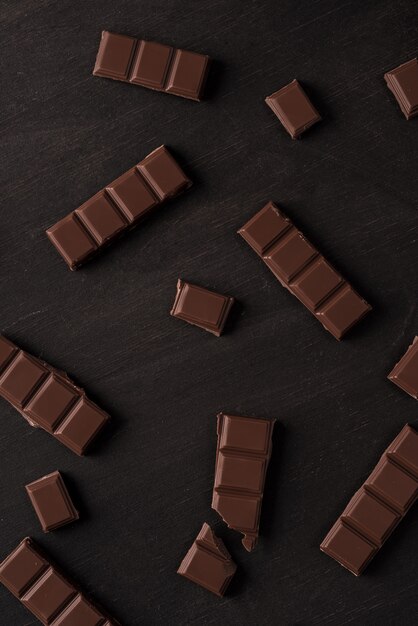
point(351, 185)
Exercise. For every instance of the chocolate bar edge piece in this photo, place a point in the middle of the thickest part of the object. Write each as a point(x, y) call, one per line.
point(399, 95)
point(395, 375)
point(56, 479)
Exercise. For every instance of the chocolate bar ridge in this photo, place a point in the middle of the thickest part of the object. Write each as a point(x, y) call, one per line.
point(303, 271)
point(405, 372)
point(118, 207)
point(378, 506)
point(48, 399)
point(152, 65)
point(45, 591)
point(242, 457)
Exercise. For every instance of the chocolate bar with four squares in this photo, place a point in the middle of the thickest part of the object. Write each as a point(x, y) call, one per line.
point(300, 268)
point(48, 399)
point(118, 207)
point(378, 506)
point(242, 457)
point(153, 65)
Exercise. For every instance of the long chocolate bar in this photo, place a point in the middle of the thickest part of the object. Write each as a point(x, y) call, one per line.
point(378, 506)
point(118, 207)
point(403, 83)
point(48, 399)
point(152, 65)
point(52, 502)
point(45, 591)
point(304, 271)
point(242, 457)
point(405, 372)
point(293, 108)
point(208, 563)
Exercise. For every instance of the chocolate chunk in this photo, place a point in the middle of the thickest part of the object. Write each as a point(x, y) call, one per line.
point(48, 399)
point(293, 108)
point(152, 65)
point(242, 457)
point(304, 271)
point(379, 505)
point(115, 209)
point(403, 83)
point(405, 372)
point(32, 577)
point(201, 307)
point(208, 563)
point(52, 502)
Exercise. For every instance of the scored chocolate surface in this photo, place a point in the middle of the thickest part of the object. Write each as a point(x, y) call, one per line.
point(242, 457)
point(153, 65)
point(378, 507)
point(118, 207)
point(208, 563)
point(51, 501)
point(293, 108)
point(405, 372)
point(304, 271)
point(201, 307)
point(403, 83)
point(45, 591)
point(48, 399)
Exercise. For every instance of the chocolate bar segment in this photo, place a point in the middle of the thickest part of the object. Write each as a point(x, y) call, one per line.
point(153, 65)
point(378, 506)
point(48, 399)
point(403, 83)
point(201, 307)
point(242, 457)
point(52, 502)
point(115, 209)
point(293, 108)
point(304, 271)
point(208, 563)
point(45, 591)
point(405, 372)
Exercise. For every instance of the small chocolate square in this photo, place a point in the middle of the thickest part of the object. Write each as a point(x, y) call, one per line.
point(21, 379)
point(114, 56)
point(188, 74)
point(71, 240)
point(132, 195)
point(50, 403)
point(293, 108)
point(163, 174)
point(151, 65)
point(101, 218)
point(81, 425)
point(52, 502)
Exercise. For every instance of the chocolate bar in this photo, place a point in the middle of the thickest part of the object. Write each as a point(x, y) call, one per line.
point(405, 372)
point(304, 271)
point(153, 65)
point(403, 83)
point(201, 307)
point(242, 457)
point(293, 108)
point(52, 502)
point(45, 591)
point(378, 506)
point(208, 563)
point(118, 207)
point(48, 399)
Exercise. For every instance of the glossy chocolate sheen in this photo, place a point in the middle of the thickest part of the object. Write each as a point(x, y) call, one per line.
point(300, 268)
point(208, 563)
point(52, 502)
point(152, 65)
point(201, 307)
point(405, 372)
point(45, 591)
point(293, 108)
point(48, 399)
point(118, 208)
point(378, 506)
point(403, 83)
point(242, 457)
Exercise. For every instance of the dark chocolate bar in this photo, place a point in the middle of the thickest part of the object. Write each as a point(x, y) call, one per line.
point(378, 506)
point(152, 65)
point(405, 372)
point(118, 207)
point(242, 457)
point(208, 563)
point(48, 399)
point(304, 271)
point(201, 307)
point(45, 591)
point(293, 108)
point(403, 83)
point(52, 502)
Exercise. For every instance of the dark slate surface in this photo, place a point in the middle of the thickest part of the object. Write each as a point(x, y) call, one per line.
point(350, 184)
